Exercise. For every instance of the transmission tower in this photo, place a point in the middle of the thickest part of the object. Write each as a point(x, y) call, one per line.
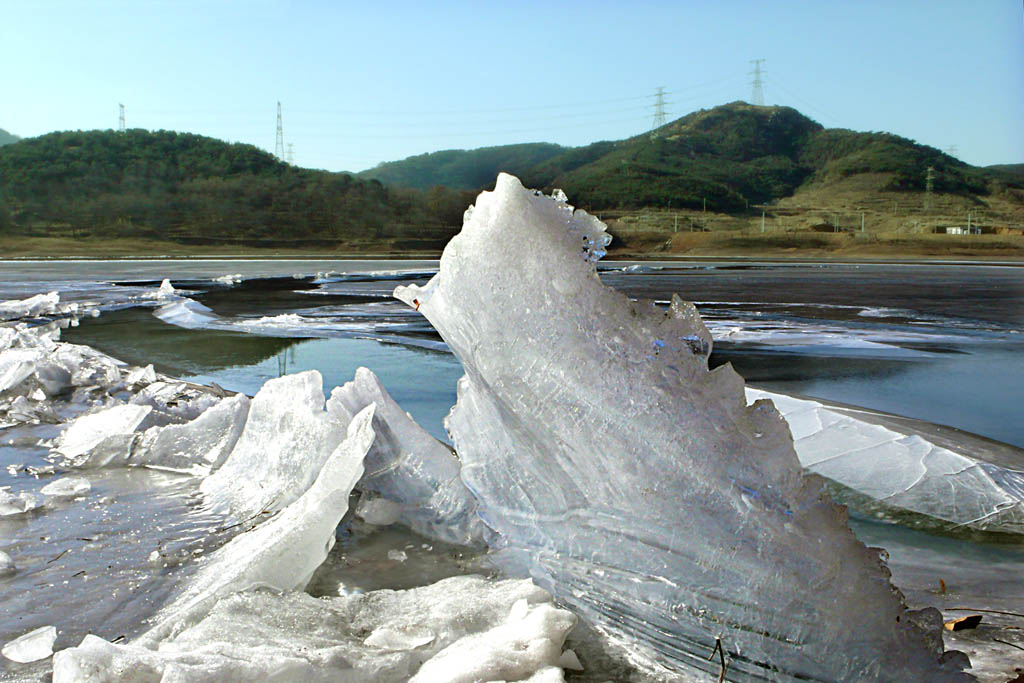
point(279, 145)
point(291, 154)
point(929, 184)
point(120, 120)
point(757, 90)
point(659, 108)
point(953, 151)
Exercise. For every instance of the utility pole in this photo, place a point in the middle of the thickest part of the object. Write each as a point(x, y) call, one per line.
point(862, 221)
point(757, 86)
point(762, 220)
point(929, 184)
point(835, 222)
point(279, 144)
point(120, 120)
point(659, 109)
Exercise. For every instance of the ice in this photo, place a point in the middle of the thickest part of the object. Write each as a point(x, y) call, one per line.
point(381, 637)
point(38, 305)
point(32, 646)
point(639, 487)
point(899, 469)
point(283, 552)
point(17, 503)
point(529, 642)
point(199, 446)
point(99, 438)
point(287, 437)
point(379, 511)
point(6, 564)
point(66, 487)
point(188, 314)
point(410, 468)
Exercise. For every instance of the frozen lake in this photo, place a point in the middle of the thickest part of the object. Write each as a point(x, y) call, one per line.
point(938, 343)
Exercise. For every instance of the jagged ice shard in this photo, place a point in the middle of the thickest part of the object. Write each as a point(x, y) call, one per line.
point(636, 485)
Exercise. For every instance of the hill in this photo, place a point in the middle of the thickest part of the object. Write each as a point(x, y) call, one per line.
point(193, 189)
point(723, 159)
point(462, 169)
point(7, 138)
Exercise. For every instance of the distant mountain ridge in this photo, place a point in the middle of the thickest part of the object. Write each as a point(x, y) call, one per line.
point(7, 138)
point(464, 169)
point(725, 158)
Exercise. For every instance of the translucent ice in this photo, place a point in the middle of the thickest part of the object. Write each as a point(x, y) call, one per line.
point(410, 468)
point(200, 445)
point(900, 469)
point(16, 503)
point(99, 438)
point(66, 487)
point(6, 564)
point(283, 552)
point(381, 637)
point(286, 439)
point(638, 486)
point(32, 646)
point(40, 304)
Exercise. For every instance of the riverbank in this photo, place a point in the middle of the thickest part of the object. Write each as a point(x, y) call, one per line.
point(638, 246)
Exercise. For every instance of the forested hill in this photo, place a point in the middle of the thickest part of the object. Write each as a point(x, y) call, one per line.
point(7, 138)
point(468, 170)
point(197, 189)
point(731, 156)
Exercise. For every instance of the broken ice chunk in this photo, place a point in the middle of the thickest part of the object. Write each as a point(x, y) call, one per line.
point(282, 552)
point(287, 437)
point(66, 487)
point(16, 503)
point(379, 511)
point(198, 446)
point(104, 432)
point(529, 641)
point(32, 646)
point(409, 467)
point(881, 457)
point(6, 564)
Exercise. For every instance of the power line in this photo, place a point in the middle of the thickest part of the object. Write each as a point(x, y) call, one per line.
point(757, 90)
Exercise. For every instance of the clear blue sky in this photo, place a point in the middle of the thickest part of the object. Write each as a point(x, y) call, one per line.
point(364, 82)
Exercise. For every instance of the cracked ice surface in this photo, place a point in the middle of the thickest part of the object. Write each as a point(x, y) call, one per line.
point(901, 470)
point(637, 486)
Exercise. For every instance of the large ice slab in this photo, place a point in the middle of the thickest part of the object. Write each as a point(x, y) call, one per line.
point(638, 486)
point(901, 469)
point(509, 630)
point(32, 646)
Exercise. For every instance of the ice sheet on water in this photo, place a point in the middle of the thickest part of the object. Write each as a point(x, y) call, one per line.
point(32, 646)
point(382, 636)
point(900, 469)
point(635, 484)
